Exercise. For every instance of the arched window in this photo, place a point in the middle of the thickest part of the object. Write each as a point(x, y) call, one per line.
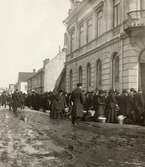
point(99, 74)
point(141, 83)
point(80, 74)
point(71, 81)
point(88, 75)
point(115, 72)
point(142, 4)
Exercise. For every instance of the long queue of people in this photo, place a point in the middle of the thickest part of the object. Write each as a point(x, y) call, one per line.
point(79, 105)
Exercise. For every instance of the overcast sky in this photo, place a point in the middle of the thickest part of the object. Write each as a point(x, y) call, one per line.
point(30, 31)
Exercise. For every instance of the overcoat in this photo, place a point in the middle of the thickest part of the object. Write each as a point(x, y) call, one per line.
point(78, 99)
point(123, 104)
point(62, 102)
point(139, 103)
point(101, 105)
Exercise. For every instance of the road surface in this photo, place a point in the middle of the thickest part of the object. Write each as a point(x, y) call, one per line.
point(31, 139)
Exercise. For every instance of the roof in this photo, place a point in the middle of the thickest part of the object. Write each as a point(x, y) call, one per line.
point(41, 70)
point(23, 76)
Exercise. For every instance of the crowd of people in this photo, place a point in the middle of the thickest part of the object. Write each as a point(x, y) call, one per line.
point(79, 105)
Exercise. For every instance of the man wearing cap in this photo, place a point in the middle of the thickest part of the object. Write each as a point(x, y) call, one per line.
point(77, 99)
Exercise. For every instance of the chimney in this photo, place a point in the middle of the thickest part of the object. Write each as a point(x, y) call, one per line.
point(45, 62)
point(34, 70)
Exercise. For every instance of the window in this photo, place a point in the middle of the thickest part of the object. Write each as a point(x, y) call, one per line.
point(99, 74)
point(99, 23)
point(88, 76)
point(81, 35)
point(116, 13)
point(80, 74)
point(72, 40)
point(143, 4)
point(89, 30)
point(115, 72)
point(71, 81)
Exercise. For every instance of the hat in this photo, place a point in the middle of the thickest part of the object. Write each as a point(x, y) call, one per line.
point(139, 90)
point(101, 91)
point(132, 89)
point(79, 84)
point(124, 91)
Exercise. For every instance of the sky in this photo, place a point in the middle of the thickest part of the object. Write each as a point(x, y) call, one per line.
point(30, 31)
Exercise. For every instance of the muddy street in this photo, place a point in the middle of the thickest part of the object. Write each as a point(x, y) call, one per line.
point(21, 145)
point(37, 141)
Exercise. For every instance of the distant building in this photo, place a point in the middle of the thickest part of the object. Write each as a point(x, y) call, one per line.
point(53, 70)
point(11, 88)
point(22, 84)
point(2, 90)
point(36, 81)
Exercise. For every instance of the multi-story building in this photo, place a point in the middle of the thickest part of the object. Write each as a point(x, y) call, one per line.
point(106, 44)
point(54, 72)
point(36, 81)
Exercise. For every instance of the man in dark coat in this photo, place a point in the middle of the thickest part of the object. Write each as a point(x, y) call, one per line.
point(139, 107)
point(95, 104)
point(123, 102)
point(62, 103)
point(77, 99)
point(15, 101)
point(131, 107)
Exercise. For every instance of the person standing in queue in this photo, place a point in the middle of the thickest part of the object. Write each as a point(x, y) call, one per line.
point(15, 101)
point(77, 100)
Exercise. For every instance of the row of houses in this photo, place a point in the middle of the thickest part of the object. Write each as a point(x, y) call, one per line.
point(104, 48)
point(49, 77)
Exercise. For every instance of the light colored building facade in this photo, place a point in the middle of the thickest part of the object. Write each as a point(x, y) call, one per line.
point(105, 44)
point(11, 88)
point(22, 84)
point(36, 82)
point(53, 70)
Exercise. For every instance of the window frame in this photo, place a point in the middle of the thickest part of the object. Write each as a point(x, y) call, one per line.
point(89, 29)
point(71, 80)
point(99, 22)
point(80, 74)
point(116, 13)
point(81, 33)
point(89, 78)
point(99, 73)
point(115, 71)
point(72, 40)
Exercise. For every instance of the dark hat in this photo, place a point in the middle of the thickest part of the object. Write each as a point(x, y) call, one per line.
point(124, 91)
point(79, 84)
point(60, 91)
point(139, 90)
point(132, 89)
point(101, 91)
point(111, 91)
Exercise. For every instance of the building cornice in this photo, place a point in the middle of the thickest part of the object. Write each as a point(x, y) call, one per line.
point(74, 14)
point(115, 40)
